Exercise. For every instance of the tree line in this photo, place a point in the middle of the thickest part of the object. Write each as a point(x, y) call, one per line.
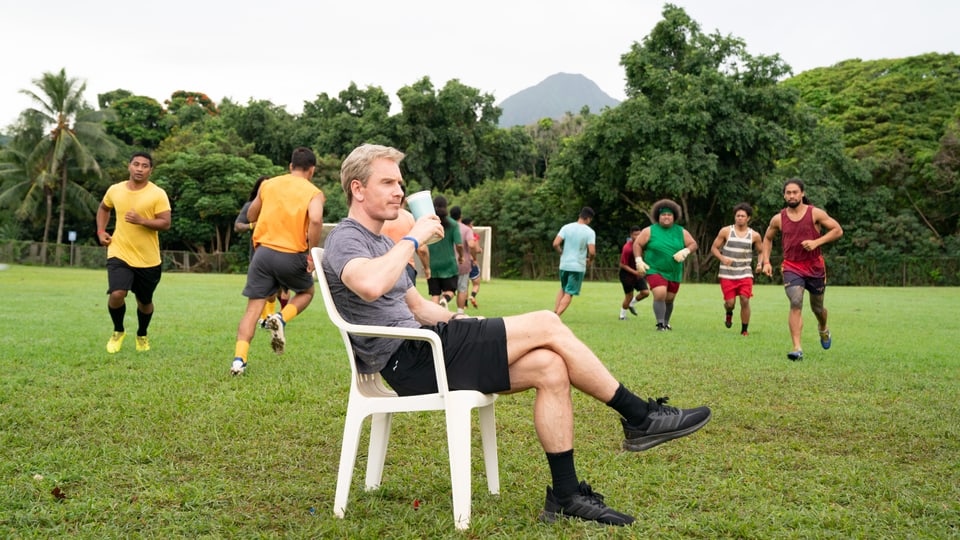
point(705, 123)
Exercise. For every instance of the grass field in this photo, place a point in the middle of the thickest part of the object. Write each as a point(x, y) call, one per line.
point(861, 441)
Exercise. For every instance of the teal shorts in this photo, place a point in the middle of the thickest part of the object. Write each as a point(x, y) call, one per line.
point(571, 282)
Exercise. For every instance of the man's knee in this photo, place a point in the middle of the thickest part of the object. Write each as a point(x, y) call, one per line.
point(795, 295)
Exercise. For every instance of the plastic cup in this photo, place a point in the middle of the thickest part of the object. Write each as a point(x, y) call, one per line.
point(421, 204)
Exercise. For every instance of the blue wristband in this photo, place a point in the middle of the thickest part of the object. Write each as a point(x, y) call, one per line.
point(416, 245)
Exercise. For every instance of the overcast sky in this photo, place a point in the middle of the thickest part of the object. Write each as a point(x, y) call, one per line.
point(288, 51)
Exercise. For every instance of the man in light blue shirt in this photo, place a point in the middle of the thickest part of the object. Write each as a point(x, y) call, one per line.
point(576, 243)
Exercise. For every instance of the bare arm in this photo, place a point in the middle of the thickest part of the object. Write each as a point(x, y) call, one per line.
point(718, 244)
point(372, 278)
point(772, 229)
point(159, 223)
point(591, 253)
point(688, 241)
point(314, 225)
point(254, 211)
point(834, 231)
point(558, 243)
point(103, 219)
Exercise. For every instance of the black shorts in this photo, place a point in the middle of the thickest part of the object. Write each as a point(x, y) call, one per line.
point(141, 281)
point(816, 285)
point(436, 286)
point(474, 350)
point(271, 270)
point(632, 283)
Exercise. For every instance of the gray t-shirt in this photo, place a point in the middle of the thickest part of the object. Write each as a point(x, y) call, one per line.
point(347, 241)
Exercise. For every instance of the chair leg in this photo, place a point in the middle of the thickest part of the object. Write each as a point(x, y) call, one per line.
point(348, 458)
point(488, 435)
point(377, 451)
point(458, 444)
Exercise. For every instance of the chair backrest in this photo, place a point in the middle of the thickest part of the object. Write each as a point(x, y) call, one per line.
point(371, 384)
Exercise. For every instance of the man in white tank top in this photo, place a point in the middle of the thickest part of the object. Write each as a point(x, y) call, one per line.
point(734, 247)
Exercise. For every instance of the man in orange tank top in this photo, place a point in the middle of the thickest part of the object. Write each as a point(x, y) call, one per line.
point(801, 225)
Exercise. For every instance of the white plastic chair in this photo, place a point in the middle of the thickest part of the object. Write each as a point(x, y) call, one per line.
point(369, 397)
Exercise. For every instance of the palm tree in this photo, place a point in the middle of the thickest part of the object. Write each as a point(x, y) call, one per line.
point(24, 181)
point(77, 135)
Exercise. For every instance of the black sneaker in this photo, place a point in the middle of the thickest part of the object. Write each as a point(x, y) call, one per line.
point(633, 310)
point(585, 504)
point(664, 423)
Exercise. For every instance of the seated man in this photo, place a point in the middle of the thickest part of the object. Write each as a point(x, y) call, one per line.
point(535, 350)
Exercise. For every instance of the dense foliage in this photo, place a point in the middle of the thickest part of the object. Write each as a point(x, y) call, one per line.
point(705, 123)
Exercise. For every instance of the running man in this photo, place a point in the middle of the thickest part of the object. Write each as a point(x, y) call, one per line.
point(734, 247)
point(801, 225)
point(133, 250)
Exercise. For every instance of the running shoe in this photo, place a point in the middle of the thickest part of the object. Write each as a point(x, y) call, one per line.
point(275, 325)
point(728, 321)
point(622, 318)
point(473, 301)
point(143, 344)
point(116, 341)
point(586, 504)
point(826, 339)
point(663, 423)
point(744, 333)
point(238, 366)
point(796, 356)
point(633, 310)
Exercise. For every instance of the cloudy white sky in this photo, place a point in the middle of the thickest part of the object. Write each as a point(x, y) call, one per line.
point(288, 51)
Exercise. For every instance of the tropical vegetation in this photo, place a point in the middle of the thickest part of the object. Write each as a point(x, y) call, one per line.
point(705, 123)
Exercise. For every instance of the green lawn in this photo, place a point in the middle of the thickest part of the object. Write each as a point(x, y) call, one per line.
point(861, 441)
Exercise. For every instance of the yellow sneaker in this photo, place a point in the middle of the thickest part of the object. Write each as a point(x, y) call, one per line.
point(116, 341)
point(143, 344)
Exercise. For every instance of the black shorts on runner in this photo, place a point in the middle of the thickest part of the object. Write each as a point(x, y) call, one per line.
point(271, 270)
point(631, 283)
point(140, 281)
point(436, 286)
point(474, 350)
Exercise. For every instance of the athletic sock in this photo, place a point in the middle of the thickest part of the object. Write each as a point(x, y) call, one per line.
point(241, 350)
point(143, 321)
point(668, 311)
point(623, 313)
point(633, 301)
point(743, 328)
point(269, 308)
point(659, 309)
point(288, 312)
point(564, 474)
point(116, 315)
point(474, 294)
point(631, 407)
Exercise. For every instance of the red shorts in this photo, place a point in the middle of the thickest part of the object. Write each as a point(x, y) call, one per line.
point(656, 280)
point(736, 287)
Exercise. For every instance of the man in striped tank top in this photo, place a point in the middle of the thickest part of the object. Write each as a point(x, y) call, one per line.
point(802, 226)
point(734, 247)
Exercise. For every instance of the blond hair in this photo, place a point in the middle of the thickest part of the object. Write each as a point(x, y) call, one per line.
point(357, 166)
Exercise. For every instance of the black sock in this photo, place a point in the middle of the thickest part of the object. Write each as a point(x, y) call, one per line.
point(743, 327)
point(144, 321)
point(629, 406)
point(730, 314)
point(116, 315)
point(564, 473)
point(474, 294)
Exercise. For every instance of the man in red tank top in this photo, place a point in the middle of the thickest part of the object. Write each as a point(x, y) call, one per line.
point(802, 227)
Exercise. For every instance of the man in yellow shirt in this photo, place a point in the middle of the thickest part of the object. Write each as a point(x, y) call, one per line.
point(133, 250)
point(288, 211)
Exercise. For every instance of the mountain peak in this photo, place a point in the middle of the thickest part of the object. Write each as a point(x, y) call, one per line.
point(553, 97)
